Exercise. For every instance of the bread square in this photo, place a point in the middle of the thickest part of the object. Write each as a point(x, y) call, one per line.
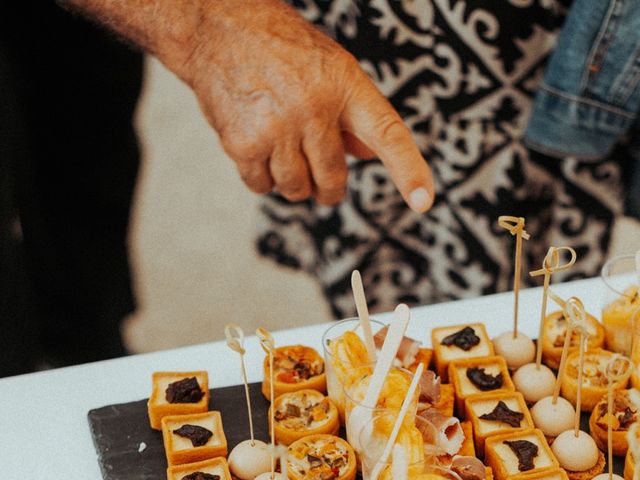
point(504, 462)
point(214, 466)
point(180, 449)
point(549, 474)
point(158, 406)
point(464, 387)
point(444, 354)
point(485, 403)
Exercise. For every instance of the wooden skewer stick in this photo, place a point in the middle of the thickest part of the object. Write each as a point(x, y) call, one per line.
point(572, 315)
point(363, 314)
point(615, 371)
point(515, 225)
point(550, 265)
point(235, 341)
point(582, 331)
point(268, 345)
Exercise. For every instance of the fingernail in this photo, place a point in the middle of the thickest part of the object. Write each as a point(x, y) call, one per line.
point(419, 200)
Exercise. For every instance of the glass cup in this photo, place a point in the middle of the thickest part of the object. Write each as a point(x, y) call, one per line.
point(621, 302)
point(335, 377)
point(420, 459)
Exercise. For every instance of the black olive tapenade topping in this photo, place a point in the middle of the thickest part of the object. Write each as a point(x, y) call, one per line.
point(186, 390)
point(314, 462)
point(198, 435)
point(200, 476)
point(525, 451)
point(502, 413)
point(484, 381)
point(465, 339)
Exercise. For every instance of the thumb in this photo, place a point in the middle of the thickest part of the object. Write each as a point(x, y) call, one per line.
point(371, 118)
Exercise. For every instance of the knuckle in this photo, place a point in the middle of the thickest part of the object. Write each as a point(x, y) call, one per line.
point(244, 151)
point(390, 129)
point(296, 195)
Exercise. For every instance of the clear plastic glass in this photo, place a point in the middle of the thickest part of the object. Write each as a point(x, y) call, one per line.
point(420, 460)
point(620, 303)
point(335, 389)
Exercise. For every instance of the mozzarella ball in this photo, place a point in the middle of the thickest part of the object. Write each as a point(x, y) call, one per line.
point(577, 454)
point(534, 383)
point(267, 476)
point(553, 419)
point(516, 351)
point(247, 461)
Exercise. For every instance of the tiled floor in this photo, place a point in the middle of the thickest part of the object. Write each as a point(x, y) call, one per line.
point(196, 268)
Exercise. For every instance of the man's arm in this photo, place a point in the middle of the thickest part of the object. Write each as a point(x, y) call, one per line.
point(286, 100)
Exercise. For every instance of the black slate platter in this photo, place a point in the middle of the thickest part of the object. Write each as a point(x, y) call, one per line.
point(118, 431)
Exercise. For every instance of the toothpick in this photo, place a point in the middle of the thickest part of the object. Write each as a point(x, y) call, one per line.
point(268, 345)
point(614, 372)
point(582, 331)
point(572, 315)
point(515, 225)
point(235, 341)
point(398, 423)
point(550, 265)
point(363, 314)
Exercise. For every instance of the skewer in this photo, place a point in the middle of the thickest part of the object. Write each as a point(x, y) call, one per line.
point(572, 313)
point(582, 331)
point(615, 370)
point(235, 341)
point(550, 265)
point(268, 345)
point(515, 226)
point(363, 314)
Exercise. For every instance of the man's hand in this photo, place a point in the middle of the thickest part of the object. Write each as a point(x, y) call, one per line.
point(286, 100)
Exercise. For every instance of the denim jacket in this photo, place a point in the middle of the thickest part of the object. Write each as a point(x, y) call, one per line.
point(589, 98)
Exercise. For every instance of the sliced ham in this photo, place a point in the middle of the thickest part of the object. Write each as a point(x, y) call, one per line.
point(447, 431)
point(408, 347)
point(468, 468)
point(429, 387)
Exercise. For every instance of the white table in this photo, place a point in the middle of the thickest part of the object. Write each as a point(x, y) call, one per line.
point(44, 431)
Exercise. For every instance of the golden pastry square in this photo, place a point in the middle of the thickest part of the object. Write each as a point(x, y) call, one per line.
point(457, 347)
point(446, 401)
point(493, 404)
point(504, 461)
point(182, 448)
point(478, 375)
point(214, 466)
point(159, 404)
point(424, 355)
point(549, 474)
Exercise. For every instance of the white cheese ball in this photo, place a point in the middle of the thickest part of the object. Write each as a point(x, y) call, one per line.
point(534, 383)
point(605, 476)
point(247, 461)
point(553, 419)
point(516, 351)
point(267, 476)
point(577, 454)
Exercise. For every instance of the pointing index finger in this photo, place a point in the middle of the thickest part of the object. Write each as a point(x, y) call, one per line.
point(372, 119)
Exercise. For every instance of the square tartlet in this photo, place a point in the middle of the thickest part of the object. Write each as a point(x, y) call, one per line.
point(504, 462)
point(485, 403)
point(549, 474)
point(180, 449)
point(443, 354)
point(464, 387)
point(214, 466)
point(158, 406)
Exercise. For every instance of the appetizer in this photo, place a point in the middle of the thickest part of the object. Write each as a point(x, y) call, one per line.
point(446, 435)
point(407, 352)
point(578, 455)
point(477, 375)
point(459, 342)
point(496, 413)
point(249, 459)
point(302, 413)
point(534, 382)
point(553, 418)
point(594, 385)
point(554, 331)
point(321, 456)
point(193, 437)
point(616, 318)
point(625, 414)
point(295, 367)
point(550, 474)
point(177, 393)
point(213, 469)
point(518, 452)
point(517, 351)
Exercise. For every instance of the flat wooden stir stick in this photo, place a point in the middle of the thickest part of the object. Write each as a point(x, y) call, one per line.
point(268, 345)
point(515, 225)
point(406, 403)
point(363, 314)
point(550, 265)
point(235, 341)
